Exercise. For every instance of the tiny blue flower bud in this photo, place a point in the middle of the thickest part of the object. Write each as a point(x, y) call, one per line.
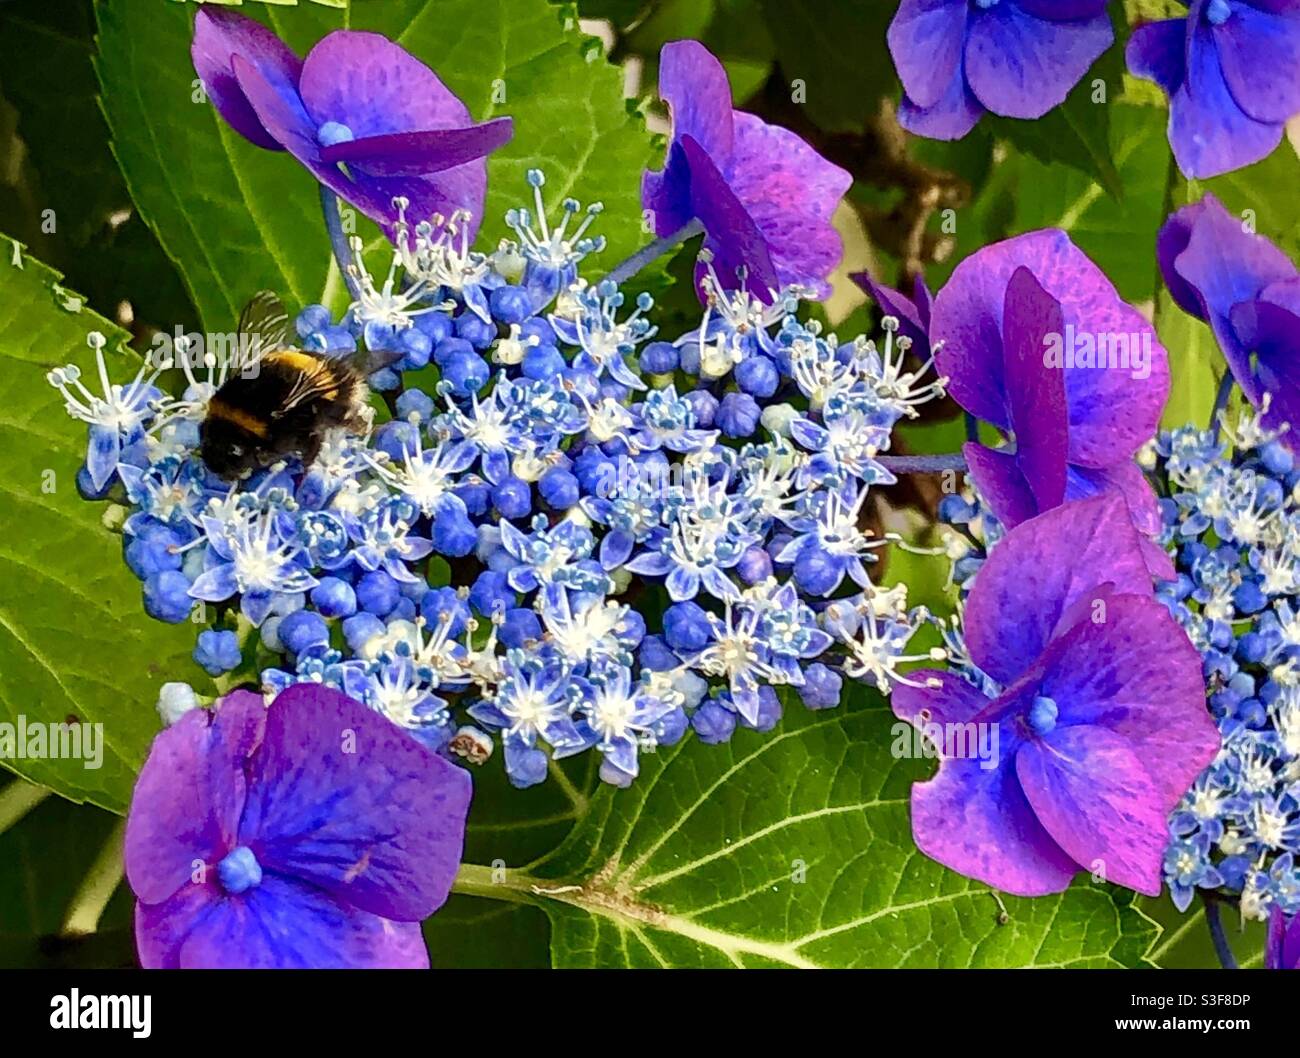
point(512, 497)
point(713, 723)
point(510, 304)
point(377, 593)
point(167, 596)
point(334, 597)
point(302, 631)
point(217, 652)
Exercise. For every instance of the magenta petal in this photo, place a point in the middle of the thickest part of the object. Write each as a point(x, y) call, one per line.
point(733, 237)
point(375, 87)
point(285, 117)
point(1171, 241)
point(1128, 481)
point(1210, 134)
point(340, 797)
point(926, 39)
point(954, 115)
point(1000, 481)
point(953, 701)
point(791, 192)
point(1036, 392)
point(1020, 66)
point(189, 796)
point(419, 153)
point(913, 319)
point(1226, 265)
point(1039, 571)
point(218, 37)
point(1134, 672)
point(1092, 793)
point(283, 924)
point(977, 822)
point(693, 84)
point(1112, 412)
point(1259, 53)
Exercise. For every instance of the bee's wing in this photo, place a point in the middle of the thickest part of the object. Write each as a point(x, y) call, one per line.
point(315, 377)
point(267, 325)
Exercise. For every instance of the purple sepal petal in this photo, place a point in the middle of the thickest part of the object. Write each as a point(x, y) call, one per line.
point(189, 796)
point(420, 153)
point(1157, 51)
point(1210, 134)
point(693, 84)
point(218, 37)
point(1259, 53)
point(977, 821)
point(926, 39)
point(1035, 390)
point(953, 701)
point(1040, 571)
point(342, 799)
point(950, 118)
point(1001, 483)
point(1136, 673)
point(1020, 66)
point(285, 924)
point(1093, 795)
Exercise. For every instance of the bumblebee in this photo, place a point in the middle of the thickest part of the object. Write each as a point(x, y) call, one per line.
point(279, 401)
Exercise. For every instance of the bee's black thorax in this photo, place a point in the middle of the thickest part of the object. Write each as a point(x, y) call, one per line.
point(280, 409)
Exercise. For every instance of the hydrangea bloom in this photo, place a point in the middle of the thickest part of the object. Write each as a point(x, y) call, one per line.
point(358, 100)
point(1016, 58)
point(1036, 340)
point(576, 487)
point(763, 195)
point(1231, 70)
point(1098, 705)
point(311, 833)
point(1249, 293)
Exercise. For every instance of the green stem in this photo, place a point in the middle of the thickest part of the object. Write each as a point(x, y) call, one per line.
point(625, 271)
point(491, 883)
point(97, 888)
point(17, 799)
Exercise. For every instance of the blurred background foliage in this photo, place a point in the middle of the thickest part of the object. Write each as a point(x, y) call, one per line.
point(1099, 167)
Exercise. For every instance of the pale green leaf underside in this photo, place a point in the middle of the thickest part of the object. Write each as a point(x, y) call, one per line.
point(74, 638)
point(792, 848)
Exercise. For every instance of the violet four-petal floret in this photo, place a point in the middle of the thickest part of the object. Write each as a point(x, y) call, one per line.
point(1101, 721)
point(310, 833)
point(1231, 70)
point(1016, 58)
point(763, 195)
point(1037, 341)
point(1248, 291)
point(369, 120)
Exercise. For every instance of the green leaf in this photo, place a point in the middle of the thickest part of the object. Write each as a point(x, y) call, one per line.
point(1119, 235)
point(1077, 133)
point(77, 211)
point(74, 639)
point(824, 44)
point(43, 859)
point(237, 219)
point(1195, 365)
point(1185, 943)
point(792, 848)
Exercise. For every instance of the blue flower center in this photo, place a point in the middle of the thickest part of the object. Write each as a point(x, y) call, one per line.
point(239, 871)
point(1043, 714)
point(333, 132)
point(1217, 12)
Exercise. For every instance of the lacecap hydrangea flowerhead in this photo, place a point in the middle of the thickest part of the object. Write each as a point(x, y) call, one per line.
point(582, 535)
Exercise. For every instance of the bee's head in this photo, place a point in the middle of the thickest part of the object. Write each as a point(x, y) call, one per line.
point(228, 449)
